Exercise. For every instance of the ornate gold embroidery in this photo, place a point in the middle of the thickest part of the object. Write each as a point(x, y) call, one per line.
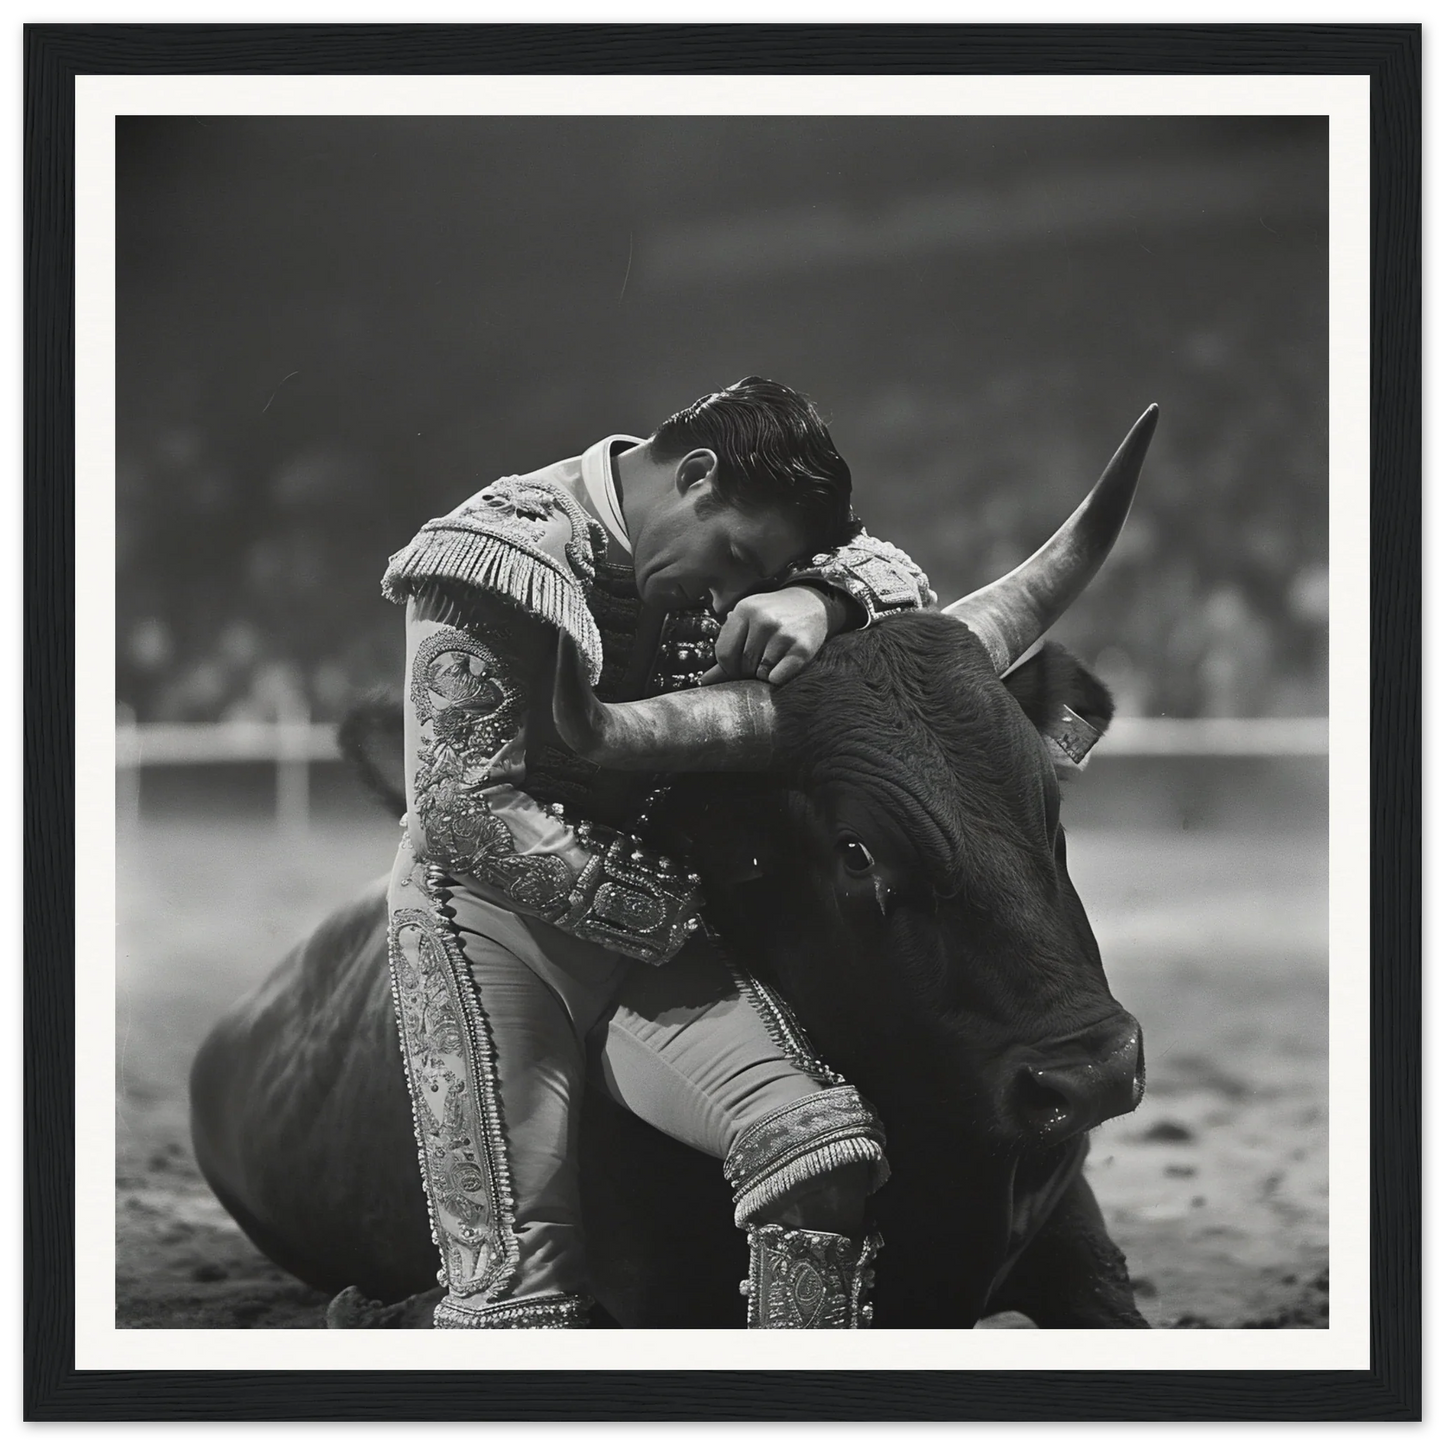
point(804, 1279)
point(536, 1312)
point(686, 649)
point(801, 1141)
point(520, 509)
point(630, 897)
point(523, 502)
point(878, 576)
point(470, 708)
point(456, 1102)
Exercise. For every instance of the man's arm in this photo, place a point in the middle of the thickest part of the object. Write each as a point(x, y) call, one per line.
point(476, 668)
point(774, 635)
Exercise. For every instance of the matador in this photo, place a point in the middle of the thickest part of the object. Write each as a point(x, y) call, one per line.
point(536, 941)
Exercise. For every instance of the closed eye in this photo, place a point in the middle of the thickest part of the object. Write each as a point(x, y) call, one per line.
point(745, 560)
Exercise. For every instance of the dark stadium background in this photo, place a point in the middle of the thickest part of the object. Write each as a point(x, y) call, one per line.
point(332, 329)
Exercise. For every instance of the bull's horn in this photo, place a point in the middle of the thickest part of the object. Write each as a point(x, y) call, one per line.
point(729, 727)
point(1010, 615)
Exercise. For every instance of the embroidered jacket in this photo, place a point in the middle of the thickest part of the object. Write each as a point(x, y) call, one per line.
point(493, 798)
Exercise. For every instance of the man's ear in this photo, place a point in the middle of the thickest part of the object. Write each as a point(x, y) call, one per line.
point(698, 467)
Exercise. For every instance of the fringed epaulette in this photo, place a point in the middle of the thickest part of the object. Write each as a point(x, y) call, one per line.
point(523, 539)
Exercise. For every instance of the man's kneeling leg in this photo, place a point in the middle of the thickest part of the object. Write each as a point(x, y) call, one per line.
point(801, 1178)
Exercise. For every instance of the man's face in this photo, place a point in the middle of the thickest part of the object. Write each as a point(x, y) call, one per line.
point(696, 551)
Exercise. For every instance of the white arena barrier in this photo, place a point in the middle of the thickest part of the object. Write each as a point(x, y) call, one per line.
point(294, 742)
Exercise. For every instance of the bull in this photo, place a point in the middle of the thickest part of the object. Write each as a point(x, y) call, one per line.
point(880, 840)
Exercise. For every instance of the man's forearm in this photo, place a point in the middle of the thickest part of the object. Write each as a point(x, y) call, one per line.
point(844, 614)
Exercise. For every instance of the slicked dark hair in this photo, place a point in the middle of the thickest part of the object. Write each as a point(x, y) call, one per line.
point(773, 453)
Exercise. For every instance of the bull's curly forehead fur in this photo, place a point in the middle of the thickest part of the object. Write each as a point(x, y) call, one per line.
point(910, 715)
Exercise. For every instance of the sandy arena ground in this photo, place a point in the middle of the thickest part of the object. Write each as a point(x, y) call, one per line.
point(1216, 940)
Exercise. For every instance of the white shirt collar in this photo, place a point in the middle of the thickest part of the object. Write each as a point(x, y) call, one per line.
point(602, 489)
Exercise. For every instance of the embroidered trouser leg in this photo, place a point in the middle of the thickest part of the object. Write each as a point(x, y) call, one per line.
point(714, 1060)
point(494, 1010)
point(736, 1079)
point(495, 1066)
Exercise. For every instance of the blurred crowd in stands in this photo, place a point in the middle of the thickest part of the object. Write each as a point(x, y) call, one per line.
point(330, 331)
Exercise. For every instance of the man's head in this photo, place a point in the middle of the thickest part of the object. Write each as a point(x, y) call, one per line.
point(729, 490)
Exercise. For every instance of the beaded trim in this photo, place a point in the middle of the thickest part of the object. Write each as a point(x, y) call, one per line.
point(450, 1058)
point(541, 1312)
point(782, 1025)
point(799, 1142)
point(686, 649)
point(628, 897)
point(469, 710)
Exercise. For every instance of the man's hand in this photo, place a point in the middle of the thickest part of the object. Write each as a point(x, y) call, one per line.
point(773, 636)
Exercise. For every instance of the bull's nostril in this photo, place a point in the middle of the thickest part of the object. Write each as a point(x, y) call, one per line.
point(1074, 1084)
point(1040, 1105)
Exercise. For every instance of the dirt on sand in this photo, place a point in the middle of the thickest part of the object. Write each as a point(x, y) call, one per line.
point(1216, 1188)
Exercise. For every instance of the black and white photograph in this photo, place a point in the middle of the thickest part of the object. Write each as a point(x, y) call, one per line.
point(737, 550)
point(739, 701)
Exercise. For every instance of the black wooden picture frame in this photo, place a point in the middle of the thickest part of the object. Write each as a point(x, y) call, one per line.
point(1389, 1390)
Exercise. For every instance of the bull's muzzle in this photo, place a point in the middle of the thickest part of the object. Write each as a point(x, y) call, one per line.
point(1057, 1092)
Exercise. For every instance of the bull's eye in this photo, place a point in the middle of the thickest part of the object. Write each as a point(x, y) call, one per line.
point(856, 858)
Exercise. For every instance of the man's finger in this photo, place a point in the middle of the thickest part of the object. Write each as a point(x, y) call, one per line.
point(728, 649)
point(779, 646)
point(788, 666)
point(712, 675)
point(761, 632)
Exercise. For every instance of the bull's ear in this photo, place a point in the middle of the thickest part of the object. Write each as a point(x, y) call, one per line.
point(1054, 679)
